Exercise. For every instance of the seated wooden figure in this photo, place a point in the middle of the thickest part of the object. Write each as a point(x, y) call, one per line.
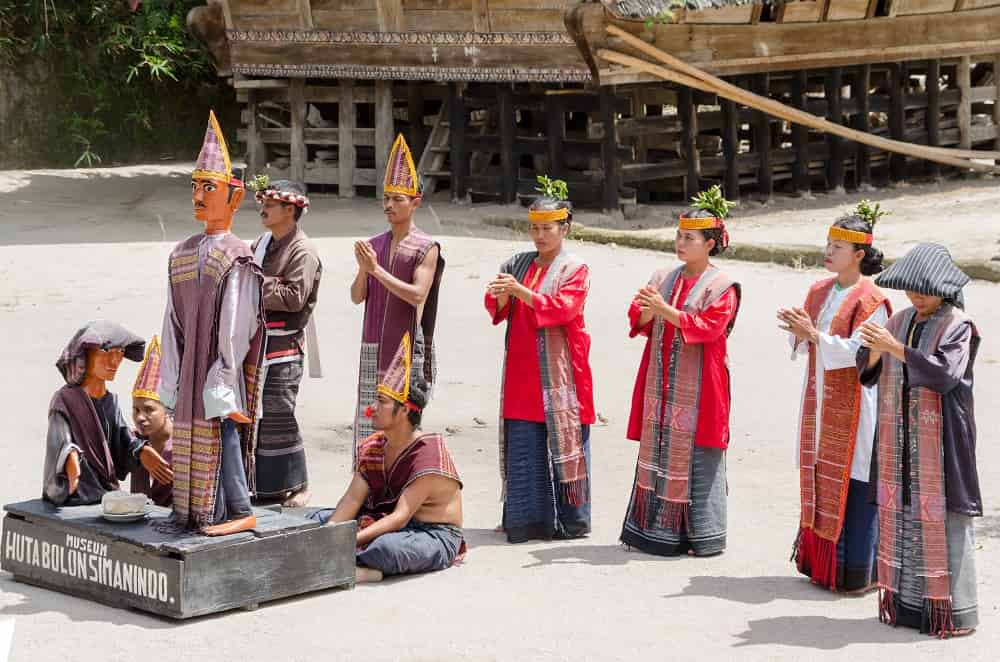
point(212, 352)
point(405, 493)
point(154, 426)
point(89, 446)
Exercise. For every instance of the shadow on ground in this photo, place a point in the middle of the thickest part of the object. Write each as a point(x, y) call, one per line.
point(823, 633)
point(756, 590)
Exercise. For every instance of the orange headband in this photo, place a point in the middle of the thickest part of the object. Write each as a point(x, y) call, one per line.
point(700, 223)
point(853, 236)
point(553, 216)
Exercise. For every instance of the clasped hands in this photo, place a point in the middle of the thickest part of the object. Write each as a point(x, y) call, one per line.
point(366, 257)
point(651, 301)
point(797, 322)
point(506, 285)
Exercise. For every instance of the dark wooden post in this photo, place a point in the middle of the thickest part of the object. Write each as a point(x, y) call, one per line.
point(996, 102)
point(297, 148)
point(609, 150)
point(964, 77)
point(800, 135)
point(415, 113)
point(555, 132)
point(689, 140)
point(860, 89)
point(508, 159)
point(933, 115)
point(385, 130)
point(897, 118)
point(346, 155)
point(731, 147)
point(835, 155)
point(762, 139)
point(253, 135)
point(457, 123)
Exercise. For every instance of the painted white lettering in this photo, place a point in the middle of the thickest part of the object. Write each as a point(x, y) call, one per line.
point(106, 572)
point(36, 557)
point(92, 564)
point(162, 588)
point(45, 555)
point(9, 544)
point(116, 581)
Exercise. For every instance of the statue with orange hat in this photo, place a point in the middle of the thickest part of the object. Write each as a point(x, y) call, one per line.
point(154, 427)
point(212, 345)
point(399, 272)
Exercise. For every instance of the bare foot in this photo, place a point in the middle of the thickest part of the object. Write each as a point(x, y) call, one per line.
point(364, 575)
point(298, 499)
point(231, 527)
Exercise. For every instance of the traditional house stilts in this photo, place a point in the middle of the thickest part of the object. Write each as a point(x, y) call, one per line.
point(491, 93)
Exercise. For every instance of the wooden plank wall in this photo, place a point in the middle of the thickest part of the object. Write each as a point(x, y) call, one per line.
point(665, 142)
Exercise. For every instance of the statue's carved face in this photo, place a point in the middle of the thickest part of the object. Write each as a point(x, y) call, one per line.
point(149, 416)
point(214, 205)
point(103, 364)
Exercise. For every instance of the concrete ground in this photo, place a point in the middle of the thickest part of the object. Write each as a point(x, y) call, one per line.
point(80, 245)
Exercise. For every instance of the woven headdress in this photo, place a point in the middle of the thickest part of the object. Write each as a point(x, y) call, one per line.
point(285, 191)
point(396, 382)
point(147, 382)
point(400, 173)
point(213, 159)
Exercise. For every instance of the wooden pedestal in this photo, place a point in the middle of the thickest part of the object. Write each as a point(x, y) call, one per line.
point(76, 551)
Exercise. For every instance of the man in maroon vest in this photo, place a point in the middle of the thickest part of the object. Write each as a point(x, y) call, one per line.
point(212, 350)
point(399, 272)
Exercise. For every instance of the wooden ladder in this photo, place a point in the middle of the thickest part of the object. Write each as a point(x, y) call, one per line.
point(430, 168)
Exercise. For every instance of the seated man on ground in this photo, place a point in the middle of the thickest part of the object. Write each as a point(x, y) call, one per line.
point(405, 494)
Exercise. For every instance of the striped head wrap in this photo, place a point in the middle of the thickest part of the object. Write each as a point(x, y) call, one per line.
point(927, 269)
point(705, 223)
point(213, 159)
point(400, 172)
point(147, 382)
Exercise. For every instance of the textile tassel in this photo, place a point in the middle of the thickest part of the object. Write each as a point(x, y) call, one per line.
point(939, 614)
point(574, 493)
point(795, 546)
point(817, 557)
point(674, 516)
point(886, 605)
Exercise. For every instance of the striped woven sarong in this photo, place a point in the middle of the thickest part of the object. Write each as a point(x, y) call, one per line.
point(281, 454)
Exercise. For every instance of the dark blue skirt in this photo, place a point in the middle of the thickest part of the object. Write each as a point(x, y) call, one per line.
point(533, 508)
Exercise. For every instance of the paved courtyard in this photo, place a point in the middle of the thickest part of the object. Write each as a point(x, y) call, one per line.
point(74, 249)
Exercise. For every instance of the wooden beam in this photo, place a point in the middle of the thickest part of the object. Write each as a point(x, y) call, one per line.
point(346, 153)
point(609, 151)
point(933, 115)
point(507, 128)
point(897, 118)
point(762, 139)
point(964, 79)
point(253, 135)
point(833, 84)
point(260, 83)
point(385, 130)
point(861, 91)
point(227, 14)
point(731, 148)
point(305, 14)
point(996, 98)
point(480, 16)
point(390, 15)
point(555, 132)
point(458, 121)
point(415, 114)
point(297, 146)
point(800, 134)
point(688, 113)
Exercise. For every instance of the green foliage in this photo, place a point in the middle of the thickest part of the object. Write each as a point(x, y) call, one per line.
point(259, 182)
point(713, 201)
point(104, 83)
point(552, 188)
point(870, 212)
point(665, 16)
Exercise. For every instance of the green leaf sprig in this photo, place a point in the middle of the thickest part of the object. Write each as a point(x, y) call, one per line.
point(713, 201)
point(259, 182)
point(556, 189)
point(870, 212)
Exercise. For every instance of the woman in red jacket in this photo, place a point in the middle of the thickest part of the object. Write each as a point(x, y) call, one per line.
point(547, 402)
point(680, 405)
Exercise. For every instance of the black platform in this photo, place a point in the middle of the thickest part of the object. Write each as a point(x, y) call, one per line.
point(76, 551)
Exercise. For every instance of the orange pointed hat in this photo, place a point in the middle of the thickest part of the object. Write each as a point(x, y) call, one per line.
point(213, 159)
point(147, 382)
point(400, 173)
point(396, 382)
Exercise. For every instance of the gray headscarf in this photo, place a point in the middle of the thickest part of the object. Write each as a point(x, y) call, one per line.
point(72, 363)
